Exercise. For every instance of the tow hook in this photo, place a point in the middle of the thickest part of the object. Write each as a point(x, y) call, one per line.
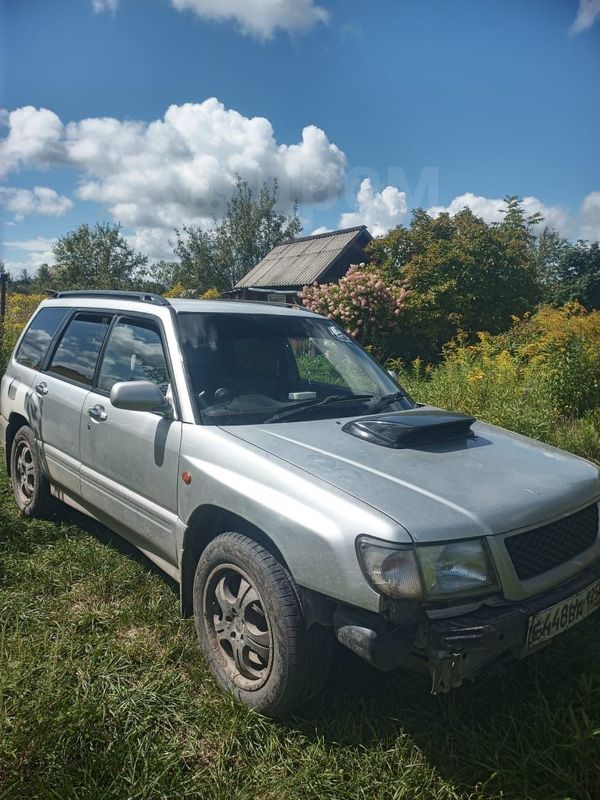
point(445, 672)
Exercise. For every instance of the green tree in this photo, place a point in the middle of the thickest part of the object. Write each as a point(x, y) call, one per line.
point(463, 274)
point(549, 249)
point(159, 277)
point(96, 258)
point(577, 275)
point(217, 257)
point(43, 279)
point(22, 284)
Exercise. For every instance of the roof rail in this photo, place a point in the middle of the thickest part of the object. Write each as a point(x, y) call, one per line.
point(297, 306)
point(140, 297)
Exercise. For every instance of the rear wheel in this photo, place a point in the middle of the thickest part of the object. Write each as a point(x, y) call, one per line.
point(252, 629)
point(29, 484)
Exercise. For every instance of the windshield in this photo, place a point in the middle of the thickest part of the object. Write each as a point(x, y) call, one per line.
point(252, 368)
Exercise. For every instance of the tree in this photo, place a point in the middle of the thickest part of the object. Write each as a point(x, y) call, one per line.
point(577, 275)
point(96, 258)
point(217, 257)
point(21, 284)
point(159, 277)
point(549, 249)
point(43, 279)
point(463, 274)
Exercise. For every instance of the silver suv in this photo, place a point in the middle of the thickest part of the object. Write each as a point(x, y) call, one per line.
point(296, 492)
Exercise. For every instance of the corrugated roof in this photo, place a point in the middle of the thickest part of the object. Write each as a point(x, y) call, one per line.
point(300, 261)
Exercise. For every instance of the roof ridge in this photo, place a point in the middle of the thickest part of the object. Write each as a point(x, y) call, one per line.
point(323, 235)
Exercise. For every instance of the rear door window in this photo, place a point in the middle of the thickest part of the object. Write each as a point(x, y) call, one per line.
point(34, 345)
point(76, 356)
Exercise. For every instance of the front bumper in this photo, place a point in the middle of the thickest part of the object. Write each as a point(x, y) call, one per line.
point(454, 648)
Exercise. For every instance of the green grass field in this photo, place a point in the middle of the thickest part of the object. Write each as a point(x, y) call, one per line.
point(103, 694)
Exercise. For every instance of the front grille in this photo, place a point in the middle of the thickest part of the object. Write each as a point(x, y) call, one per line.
point(541, 549)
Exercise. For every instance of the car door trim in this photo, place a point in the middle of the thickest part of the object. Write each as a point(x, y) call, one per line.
point(126, 498)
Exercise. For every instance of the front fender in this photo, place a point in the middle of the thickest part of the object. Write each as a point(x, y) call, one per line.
point(312, 524)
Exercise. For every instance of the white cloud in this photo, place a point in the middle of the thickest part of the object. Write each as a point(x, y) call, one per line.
point(379, 211)
point(590, 217)
point(28, 254)
point(34, 139)
point(259, 18)
point(39, 200)
point(491, 209)
point(176, 170)
point(156, 243)
point(105, 5)
point(39, 244)
point(586, 16)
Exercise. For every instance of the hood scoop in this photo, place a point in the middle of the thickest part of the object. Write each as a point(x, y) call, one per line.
point(414, 428)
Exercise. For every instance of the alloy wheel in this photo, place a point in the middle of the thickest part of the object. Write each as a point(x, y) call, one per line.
point(238, 626)
point(24, 473)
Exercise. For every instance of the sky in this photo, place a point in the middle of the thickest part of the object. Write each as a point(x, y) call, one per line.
point(142, 112)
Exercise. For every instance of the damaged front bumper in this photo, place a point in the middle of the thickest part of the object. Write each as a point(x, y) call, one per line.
point(457, 647)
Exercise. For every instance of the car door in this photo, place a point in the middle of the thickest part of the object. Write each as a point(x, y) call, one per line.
point(58, 393)
point(130, 459)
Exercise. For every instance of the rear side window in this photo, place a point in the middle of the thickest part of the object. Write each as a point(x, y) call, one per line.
point(134, 353)
point(35, 343)
point(77, 353)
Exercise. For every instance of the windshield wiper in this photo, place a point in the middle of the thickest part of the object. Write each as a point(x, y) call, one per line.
point(332, 398)
point(386, 401)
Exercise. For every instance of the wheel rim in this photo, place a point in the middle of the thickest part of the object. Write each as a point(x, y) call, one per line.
point(238, 626)
point(24, 473)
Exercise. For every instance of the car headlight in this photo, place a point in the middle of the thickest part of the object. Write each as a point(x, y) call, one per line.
point(429, 571)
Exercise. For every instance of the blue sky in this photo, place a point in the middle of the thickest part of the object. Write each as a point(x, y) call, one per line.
point(142, 111)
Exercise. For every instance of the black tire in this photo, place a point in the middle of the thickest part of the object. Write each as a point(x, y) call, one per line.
point(29, 484)
point(252, 629)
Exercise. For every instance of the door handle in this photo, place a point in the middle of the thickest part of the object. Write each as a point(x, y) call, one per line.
point(98, 413)
point(42, 389)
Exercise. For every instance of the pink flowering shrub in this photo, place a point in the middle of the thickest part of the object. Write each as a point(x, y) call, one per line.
point(363, 302)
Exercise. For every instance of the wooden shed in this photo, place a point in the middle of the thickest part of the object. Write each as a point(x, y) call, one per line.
point(323, 257)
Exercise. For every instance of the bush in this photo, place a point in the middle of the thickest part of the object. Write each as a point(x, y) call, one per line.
point(541, 378)
point(564, 344)
point(364, 302)
point(495, 387)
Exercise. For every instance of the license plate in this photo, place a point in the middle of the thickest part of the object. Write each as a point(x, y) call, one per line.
point(558, 618)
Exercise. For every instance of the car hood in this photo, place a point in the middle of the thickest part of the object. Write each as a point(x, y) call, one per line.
point(493, 482)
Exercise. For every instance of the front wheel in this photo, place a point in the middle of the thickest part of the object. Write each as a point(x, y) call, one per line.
point(30, 487)
point(252, 629)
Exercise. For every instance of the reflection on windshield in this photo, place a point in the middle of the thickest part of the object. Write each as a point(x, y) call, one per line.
point(247, 368)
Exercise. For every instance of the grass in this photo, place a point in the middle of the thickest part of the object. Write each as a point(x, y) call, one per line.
point(103, 694)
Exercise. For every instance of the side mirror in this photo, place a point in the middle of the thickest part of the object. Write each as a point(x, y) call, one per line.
point(139, 396)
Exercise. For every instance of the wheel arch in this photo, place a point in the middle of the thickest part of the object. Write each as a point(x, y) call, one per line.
point(205, 524)
point(15, 423)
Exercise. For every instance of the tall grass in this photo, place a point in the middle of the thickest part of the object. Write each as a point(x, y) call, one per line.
point(541, 379)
